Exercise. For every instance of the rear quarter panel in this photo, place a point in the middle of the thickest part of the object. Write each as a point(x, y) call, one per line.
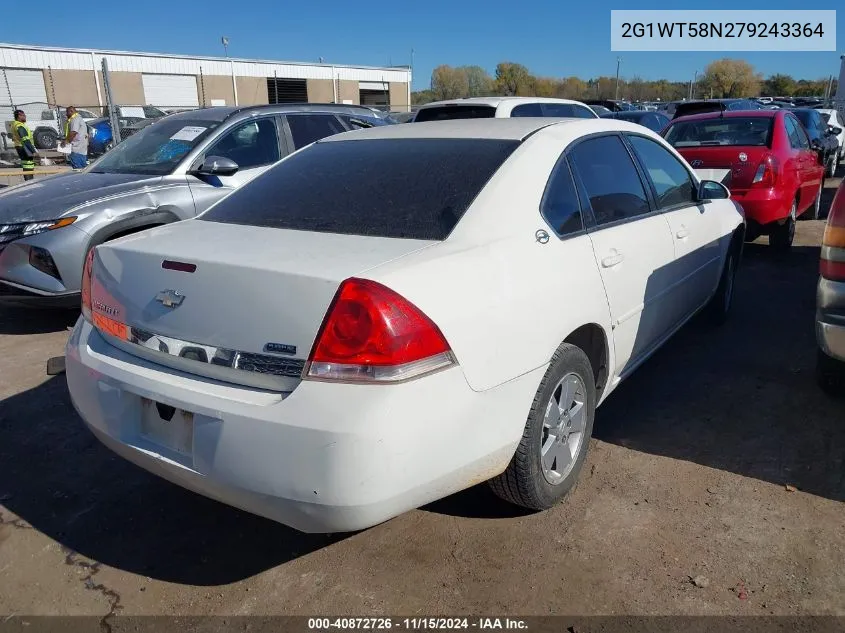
point(503, 300)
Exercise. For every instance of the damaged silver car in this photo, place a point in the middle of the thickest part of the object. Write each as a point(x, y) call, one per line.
point(171, 170)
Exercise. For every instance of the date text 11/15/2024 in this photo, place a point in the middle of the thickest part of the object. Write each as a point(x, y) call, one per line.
point(416, 624)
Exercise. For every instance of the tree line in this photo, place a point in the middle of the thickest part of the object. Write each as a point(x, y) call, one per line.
point(722, 78)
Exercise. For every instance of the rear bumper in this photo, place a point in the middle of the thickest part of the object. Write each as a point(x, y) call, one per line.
point(830, 318)
point(324, 458)
point(763, 206)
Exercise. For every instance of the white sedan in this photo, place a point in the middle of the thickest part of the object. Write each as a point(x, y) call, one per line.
point(389, 316)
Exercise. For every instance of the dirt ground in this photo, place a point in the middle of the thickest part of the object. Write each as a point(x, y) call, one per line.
point(687, 476)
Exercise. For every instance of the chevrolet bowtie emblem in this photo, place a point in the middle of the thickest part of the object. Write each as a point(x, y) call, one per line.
point(170, 298)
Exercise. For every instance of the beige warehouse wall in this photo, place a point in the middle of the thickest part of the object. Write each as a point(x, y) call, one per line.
point(127, 88)
point(252, 91)
point(320, 90)
point(348, 90)
point(72, 87)
point(399, 97)
point(217, 87)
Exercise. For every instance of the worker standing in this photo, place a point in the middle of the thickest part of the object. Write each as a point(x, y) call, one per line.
point(76, 135)
point(24, 144)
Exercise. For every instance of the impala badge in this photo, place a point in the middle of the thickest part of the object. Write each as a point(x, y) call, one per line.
point(170, 298)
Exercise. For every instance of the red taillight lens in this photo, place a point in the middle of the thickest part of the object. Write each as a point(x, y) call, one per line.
point(373, 334)
point(87, 271)
point(833, 243)
point(767, 172)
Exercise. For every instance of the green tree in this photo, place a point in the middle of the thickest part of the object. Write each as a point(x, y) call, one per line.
point(513, 79)
point(448, 83)
point(479, 83)
point(422, 96)
point(732, 78)
point(778, 85)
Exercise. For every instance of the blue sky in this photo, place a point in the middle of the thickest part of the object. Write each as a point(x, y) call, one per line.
point(552, 38)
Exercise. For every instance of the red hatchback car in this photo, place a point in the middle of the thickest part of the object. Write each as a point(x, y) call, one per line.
point(765, 159)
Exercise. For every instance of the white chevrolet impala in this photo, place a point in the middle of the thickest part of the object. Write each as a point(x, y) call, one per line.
point(391, 315)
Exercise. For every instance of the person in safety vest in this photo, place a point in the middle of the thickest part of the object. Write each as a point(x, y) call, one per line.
point(76, 135)
point(24, 144)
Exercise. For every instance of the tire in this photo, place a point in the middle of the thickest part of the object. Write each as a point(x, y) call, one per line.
point(781, 236)
point(46, 139)
point(527, 482)
point(720, 304)
point(830, 374)
point(817, 205)
point(830, 166)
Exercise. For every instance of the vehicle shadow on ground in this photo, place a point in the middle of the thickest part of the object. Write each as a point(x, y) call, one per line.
point(742, 397)
point(60, 480)
point(35, 321)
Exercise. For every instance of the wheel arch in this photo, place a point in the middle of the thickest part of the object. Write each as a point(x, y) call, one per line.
point(593, 341)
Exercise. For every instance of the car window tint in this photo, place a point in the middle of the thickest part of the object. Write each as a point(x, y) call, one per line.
point(570, 110)
point(307, 128)
point(250, 144)
point(798, 138)
point(449, 112)
point(527, 109)
point(610, 179)
point(671, 180)
point(417, 188)
point(560, 206)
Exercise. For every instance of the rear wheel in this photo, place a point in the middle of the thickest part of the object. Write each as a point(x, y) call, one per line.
point(817, 205)
point(556, 437)
point(830, 166)
point(830, 374)
point(782, 235)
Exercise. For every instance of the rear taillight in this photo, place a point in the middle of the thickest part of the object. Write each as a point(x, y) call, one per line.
point(372, 334)
point(87, 271)
point(767, 172)
point(833, 243)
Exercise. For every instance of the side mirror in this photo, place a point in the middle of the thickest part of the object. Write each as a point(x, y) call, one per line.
point(834, 131)
point(216, 166)
point(712, 190)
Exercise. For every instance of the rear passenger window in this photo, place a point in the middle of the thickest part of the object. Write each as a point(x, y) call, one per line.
point(569, 110)
point(307, 128)
point(797, 136)
point(560, 206)
point(610, 179)
point(671, 180)
point(527, 109)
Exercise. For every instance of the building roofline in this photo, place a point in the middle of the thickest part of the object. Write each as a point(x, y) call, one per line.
point(244, 60)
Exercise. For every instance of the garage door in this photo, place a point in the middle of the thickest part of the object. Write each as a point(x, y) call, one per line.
point(28, 93)
point(171, 91)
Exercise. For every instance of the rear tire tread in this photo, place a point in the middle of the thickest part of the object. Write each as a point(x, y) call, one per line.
point(518, 483)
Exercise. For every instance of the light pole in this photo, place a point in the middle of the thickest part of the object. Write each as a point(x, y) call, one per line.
point(225, 41)
point(618, 63)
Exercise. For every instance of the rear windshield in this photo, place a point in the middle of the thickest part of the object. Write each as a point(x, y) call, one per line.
point(448, 112)
point(746, 131)
point(402, 188)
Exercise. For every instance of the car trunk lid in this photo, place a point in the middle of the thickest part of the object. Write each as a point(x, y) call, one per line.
point(234, 302)
point(734, 166)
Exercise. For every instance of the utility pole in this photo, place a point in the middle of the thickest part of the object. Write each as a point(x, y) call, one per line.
point(692, 86)
point(618, 63)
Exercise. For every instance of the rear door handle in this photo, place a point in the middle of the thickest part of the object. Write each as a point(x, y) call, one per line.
point(682, 233)
point(612, 260)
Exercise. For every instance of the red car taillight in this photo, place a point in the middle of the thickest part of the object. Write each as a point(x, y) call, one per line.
point(833, 242)
point(372, 334)
point(767, 172)
point(87, 272)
